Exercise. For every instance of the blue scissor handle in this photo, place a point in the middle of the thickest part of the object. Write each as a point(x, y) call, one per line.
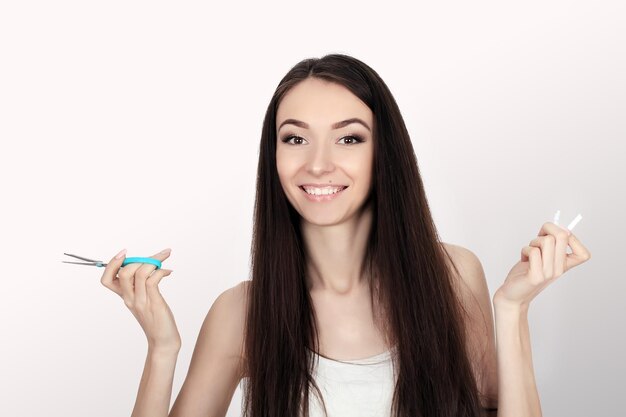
point(140, 260)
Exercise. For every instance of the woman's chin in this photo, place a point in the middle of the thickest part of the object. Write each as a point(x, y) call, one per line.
point(321, 220)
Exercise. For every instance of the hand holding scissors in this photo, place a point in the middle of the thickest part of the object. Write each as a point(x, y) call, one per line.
point(136, 280)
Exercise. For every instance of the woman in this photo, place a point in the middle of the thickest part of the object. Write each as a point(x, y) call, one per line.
point(346, 264)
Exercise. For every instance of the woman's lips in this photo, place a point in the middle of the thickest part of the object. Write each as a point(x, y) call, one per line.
point(322, 197)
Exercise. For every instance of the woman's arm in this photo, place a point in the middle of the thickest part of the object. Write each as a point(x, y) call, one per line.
point(215, 368)
point(518, 394)
point(155, 388)
point(541, 263)
point(216, 364)
point(504, 373)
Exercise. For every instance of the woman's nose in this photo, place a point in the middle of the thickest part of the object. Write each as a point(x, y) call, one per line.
point(320, 160)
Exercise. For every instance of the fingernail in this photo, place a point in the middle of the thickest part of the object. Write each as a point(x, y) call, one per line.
point(166, 250)
point(122, 253)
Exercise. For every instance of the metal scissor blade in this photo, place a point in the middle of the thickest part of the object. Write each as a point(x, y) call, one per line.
point(85, 263)
point(80, 257)
point(81, 263)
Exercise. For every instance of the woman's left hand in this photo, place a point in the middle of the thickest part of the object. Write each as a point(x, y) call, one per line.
point(543, 261)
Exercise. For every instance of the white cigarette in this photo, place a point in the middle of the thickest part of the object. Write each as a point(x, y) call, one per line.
point(574, 222)
point(556, 216)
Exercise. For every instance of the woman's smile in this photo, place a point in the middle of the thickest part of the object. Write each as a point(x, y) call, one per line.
point(322, 194)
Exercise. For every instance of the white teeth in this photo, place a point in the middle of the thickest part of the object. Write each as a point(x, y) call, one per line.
point(322, 191)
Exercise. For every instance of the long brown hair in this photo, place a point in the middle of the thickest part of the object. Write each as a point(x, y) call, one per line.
point(404, 256)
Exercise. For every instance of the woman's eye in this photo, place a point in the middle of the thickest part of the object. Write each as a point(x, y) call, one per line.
point(355, 139)
point(288, 139)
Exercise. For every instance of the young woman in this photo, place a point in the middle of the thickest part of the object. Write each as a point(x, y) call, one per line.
point(355, 307)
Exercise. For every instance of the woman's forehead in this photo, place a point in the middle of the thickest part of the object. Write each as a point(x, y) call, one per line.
point(321, 104)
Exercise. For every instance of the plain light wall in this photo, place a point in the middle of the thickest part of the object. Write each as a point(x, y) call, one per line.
point(128, 124)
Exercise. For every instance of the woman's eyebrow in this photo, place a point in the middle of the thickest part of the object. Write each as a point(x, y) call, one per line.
point(337, 125)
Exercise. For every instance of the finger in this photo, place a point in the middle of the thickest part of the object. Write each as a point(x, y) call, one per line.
point(152, 285)
point(560, 255)
point(562, 235)
point(559, 232)
point(532, 255)
point(108, 278)
point(143, 272)
point(126, 279)
point(579, 253)
point(547, 246)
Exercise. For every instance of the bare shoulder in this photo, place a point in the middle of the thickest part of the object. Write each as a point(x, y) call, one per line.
point(237, 299)
point(216, 364)
point(470, 270)
point(470, 280)
point(480, 331)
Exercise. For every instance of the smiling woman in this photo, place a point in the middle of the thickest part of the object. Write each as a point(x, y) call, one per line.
point(348, 271)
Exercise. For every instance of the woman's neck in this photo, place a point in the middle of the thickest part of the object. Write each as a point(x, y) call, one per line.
point(335, 254)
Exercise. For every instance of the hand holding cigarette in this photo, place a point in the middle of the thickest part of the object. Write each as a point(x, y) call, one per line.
point(543, 261)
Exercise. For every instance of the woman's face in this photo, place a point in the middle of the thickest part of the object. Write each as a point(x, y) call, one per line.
point(315, 148)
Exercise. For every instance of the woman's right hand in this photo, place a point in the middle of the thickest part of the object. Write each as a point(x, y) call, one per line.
point(137, 284)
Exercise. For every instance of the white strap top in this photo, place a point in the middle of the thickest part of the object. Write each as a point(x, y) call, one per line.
point(361, 387)
point(352, 388)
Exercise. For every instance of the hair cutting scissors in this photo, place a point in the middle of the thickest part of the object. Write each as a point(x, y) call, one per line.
point(132, 260)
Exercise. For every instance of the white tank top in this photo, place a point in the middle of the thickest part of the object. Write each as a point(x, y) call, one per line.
point(362, 387)
point(354, 388)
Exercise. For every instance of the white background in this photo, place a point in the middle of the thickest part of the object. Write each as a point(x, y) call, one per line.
point(128, 124)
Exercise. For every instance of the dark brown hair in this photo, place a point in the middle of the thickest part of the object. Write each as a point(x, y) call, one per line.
point(410, 278)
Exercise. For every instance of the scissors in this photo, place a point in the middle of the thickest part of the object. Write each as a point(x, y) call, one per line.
point(132, 260)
